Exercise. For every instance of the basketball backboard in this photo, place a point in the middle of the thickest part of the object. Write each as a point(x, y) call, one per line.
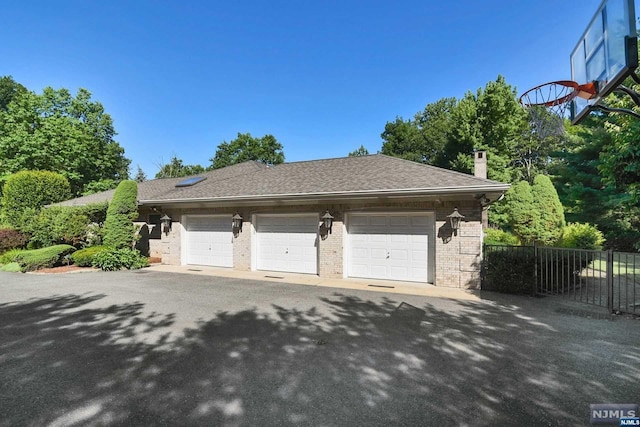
point(606, 54)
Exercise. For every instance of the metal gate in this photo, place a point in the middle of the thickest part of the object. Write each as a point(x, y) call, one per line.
point(604, 278)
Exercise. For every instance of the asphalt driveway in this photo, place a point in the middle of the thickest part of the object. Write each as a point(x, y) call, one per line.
point(151, 348)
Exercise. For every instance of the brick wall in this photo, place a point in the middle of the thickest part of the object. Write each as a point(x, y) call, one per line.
point(457, 256)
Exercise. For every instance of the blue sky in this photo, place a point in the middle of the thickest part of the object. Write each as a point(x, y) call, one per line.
point(323, 77)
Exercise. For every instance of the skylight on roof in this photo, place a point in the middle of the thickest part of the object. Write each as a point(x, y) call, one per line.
point(190, 181)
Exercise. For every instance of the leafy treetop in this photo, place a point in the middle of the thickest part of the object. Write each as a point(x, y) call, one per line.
point(57, 131)
point(246, 147)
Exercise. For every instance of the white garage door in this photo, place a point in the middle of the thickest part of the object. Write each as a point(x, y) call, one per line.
point(209, 240)
point(391, 246)
point(287, 243)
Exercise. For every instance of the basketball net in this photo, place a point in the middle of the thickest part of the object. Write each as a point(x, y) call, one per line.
point(547, 104)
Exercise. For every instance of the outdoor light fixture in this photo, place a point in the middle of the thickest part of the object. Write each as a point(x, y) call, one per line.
point(236, 222)
point(327, 221)
point(455, 219)
point(166, 223)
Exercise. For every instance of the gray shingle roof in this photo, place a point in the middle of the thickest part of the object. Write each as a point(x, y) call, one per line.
point(375, 174)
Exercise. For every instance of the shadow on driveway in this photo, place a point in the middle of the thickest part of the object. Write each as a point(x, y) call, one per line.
point(64, 361)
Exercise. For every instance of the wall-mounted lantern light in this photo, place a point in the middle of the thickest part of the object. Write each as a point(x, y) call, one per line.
point(455, 219)
point(327, 221)
point(236, 222)
point(166, 223)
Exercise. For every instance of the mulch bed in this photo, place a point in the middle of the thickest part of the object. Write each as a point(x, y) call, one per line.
point(64, 269)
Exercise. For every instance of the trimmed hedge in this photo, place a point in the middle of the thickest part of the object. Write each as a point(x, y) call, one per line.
point(512, 269)
point(84, 257)
point(119, 231)
point(509, 269)
point(42, 258)
point(117, 259)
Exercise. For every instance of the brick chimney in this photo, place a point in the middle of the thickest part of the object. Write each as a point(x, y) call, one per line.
point(480, 164)
point(480, 171)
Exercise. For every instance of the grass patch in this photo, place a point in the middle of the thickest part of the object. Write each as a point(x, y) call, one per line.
point(618, 267)
point(12, 267)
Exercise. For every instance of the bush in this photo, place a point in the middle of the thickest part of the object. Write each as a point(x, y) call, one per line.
point(84, 257)
point(548, 209)
point(581, 236)
point(59, 225)
point(31, 189)
point(11, 239)
point(96, 212)
point(43, 258)
point(117, 259)
point(10, 256)
point(119, 231)
point(494, 236)
point(12, 267)
point(509, 270)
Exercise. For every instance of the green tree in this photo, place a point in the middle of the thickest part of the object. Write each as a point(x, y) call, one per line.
point(544, 136)
point(523, 219)
point(59, 132)
point(402, 139)
point(176, 168)
point(362, 151)
point(575, 172)
point(447, 132)
point(99, 186)
point(549, 210)
point(140, 175)
point(595, 174)
point(119, 230)
point(422, 139)
point(9, 89)
point(25, 192)
point(246, 147)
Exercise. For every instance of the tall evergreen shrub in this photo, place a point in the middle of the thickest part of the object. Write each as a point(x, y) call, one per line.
point(549, 210)
point(523, 218)
point(119, 230)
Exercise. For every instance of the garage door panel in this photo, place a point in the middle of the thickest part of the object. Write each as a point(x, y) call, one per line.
point(287, 243)
point(398, 221)
point(423, 222)
point(399, 254)
point(378, 254)
point(390, 246)
point(399, 273)
point(209, 241)
point(376, 271)
point(377, 220)
point(399, 238)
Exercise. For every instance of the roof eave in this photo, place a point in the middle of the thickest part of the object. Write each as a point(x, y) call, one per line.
point(411, 192)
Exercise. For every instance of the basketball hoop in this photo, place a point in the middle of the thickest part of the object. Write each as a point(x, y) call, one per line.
point(553, 98)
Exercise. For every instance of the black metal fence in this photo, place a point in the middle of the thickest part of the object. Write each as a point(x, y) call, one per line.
point(604, 278)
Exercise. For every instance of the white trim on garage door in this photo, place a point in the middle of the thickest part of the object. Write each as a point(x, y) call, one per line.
point(287, 243)
point(391, 246)
point(209, 240)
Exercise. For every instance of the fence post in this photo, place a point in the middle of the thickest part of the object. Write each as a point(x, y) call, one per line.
point(534, 287)
point(483, 266)
point(610, 280)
